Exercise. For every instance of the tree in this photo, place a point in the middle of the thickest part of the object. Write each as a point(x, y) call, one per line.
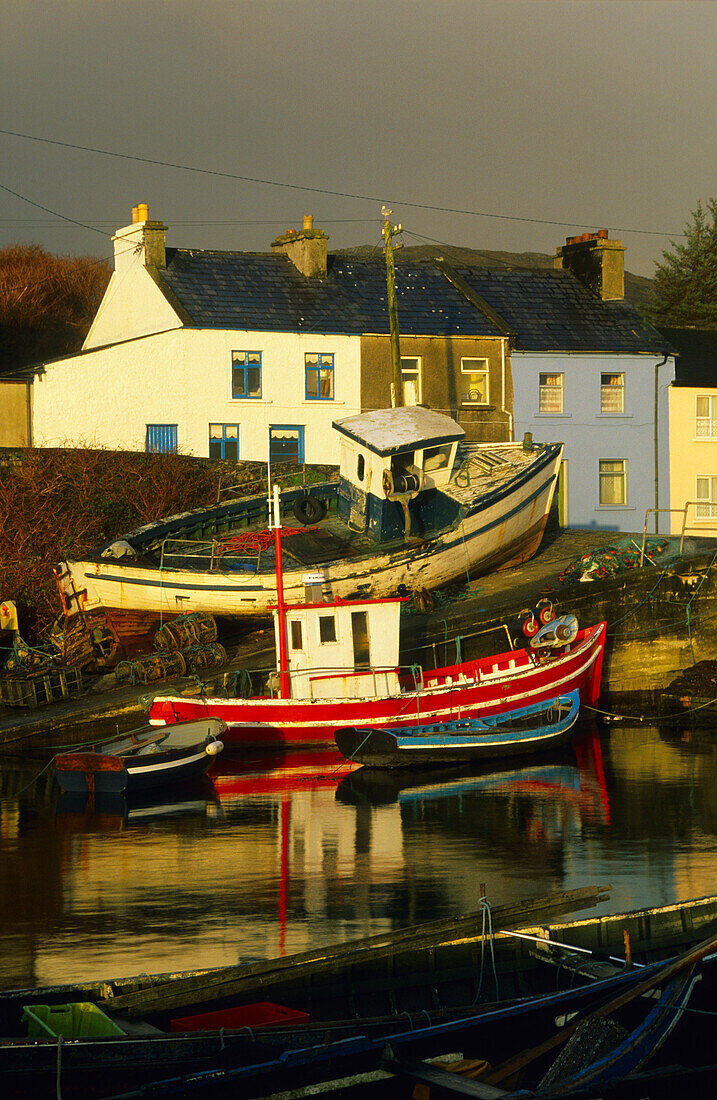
point(47, 303)
point(684, 290)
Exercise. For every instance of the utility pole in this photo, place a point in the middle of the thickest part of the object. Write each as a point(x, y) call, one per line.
point(388, 232)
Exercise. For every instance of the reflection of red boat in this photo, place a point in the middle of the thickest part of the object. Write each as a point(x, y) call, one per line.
point(342, 670)
point(280, 774)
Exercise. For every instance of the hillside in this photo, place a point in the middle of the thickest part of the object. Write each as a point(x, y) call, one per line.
point(637, 287)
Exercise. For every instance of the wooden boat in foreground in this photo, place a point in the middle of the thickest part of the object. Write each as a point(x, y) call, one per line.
point(143, 760)
point(535, 728)
point(414, 506)
point(510, 986)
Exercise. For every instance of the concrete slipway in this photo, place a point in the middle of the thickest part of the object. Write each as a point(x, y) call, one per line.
point(662, 618)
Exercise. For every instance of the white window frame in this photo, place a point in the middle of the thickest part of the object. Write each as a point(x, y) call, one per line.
point(411, 374)
point(612, 389)
point(605, 474)
point(547, 389)
point(483, 370)
point(706, 426)
point(707, 511)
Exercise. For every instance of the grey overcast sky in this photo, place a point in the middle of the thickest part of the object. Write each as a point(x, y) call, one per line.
point(527, 120)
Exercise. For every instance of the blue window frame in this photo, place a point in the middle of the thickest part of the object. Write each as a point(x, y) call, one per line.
point(246, 374)
point(319, 372)
point(161, 438)
point(286, 443)
point(224, 441)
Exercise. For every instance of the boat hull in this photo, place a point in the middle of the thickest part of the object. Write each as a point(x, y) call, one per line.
point(532, 729)
point(500, 530)
point(471, 690)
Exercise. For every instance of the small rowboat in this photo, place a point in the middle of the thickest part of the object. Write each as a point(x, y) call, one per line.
point(144, 759)
point(528, 729)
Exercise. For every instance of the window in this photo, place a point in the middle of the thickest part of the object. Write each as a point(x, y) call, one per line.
point(411, 377)
point(319, 371)
point(707, 492)
point(706, 419)
point(474, 381)
point(296, 634)
point(551, 393)
point(246, 374)
point(359, 632)
point(224, 441)
point(436, 458)
point(360, 467)
point(286, 443)
point(161, 438)
point(613, 481)
point(612, 393)
point(327, 629)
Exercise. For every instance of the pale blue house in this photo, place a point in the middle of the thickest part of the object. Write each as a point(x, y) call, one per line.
point(588, 370)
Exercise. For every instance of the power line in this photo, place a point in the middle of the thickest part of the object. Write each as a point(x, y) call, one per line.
point(319, 190)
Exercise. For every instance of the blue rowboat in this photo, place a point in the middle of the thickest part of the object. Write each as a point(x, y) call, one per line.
point(529, 729)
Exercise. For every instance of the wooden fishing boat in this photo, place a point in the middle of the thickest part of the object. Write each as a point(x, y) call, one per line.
point(414, 506)
point(536, 728)
point(142, 760)
point(447, 985)
point(338, 666)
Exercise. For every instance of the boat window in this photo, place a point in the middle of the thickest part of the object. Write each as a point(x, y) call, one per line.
point(327, 629)
point(360, 467)
point(359, 632)
point(436, 458)
point(296, 634)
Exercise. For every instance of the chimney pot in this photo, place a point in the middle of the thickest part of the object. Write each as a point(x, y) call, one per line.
point(135, 219)
point(308, 221)
point(142, 212)
point(602, 234)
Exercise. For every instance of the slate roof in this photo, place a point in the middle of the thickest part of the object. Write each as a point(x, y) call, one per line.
point(696, 363)
point(554, 311)
point(265, 292)
point(547, 310)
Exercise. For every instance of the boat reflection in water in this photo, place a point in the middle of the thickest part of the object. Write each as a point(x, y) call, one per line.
point(573, 777)
point(78, 811)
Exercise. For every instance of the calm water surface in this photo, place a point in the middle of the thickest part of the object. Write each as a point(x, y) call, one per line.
point(281, 854)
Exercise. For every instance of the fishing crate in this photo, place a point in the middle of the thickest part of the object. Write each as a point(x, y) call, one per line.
point(36, 689)
point(79, 1020)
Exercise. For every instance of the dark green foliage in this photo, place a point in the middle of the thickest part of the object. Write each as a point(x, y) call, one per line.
point(685, 286)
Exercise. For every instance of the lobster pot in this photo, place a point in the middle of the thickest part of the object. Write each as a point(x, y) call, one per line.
point(184, 631)
point(151, 669)
point(205, 656)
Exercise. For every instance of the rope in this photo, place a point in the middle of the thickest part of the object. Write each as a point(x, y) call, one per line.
point(487, 920)
point(58, 1090)
point(12, 797)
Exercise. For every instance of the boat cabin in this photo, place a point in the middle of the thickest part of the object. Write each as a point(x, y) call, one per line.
point(343, 649)
point(388, 458)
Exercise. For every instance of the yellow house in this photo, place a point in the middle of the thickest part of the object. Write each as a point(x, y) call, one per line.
point(693, 431)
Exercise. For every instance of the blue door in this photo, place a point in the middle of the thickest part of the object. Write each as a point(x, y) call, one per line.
point(161, 438)
point(286, 443)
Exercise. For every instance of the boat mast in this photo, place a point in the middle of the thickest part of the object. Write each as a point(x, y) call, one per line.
point(397, 383)
point(284, 681)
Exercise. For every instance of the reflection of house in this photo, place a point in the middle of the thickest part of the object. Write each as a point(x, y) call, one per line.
point(693, 430)
point(219, 353)
point(589, 371)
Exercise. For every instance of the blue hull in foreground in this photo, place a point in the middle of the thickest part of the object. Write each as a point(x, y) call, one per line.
point(535, 728)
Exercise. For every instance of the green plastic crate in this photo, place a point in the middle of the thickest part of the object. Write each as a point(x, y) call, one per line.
point(81, 1020)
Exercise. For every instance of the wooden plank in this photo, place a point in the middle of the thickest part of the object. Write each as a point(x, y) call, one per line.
point(236, 980)
point(449, 1081)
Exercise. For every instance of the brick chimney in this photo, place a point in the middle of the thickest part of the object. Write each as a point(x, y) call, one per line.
point(597, 262)
point(142, 236)
point(305, 247)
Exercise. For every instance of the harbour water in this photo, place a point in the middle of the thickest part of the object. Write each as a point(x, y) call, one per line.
point(286, 853)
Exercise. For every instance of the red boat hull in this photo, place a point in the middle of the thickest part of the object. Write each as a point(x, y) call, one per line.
point(491, 685)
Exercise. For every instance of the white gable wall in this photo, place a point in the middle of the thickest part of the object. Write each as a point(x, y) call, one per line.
point(133, 305)
point(106, 397)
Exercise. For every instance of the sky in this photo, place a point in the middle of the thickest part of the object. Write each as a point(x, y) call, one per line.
point(491, 124)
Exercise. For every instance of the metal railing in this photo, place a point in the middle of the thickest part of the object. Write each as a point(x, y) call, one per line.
point(693, 528)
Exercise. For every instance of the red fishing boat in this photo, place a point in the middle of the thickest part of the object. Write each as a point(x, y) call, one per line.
point(338, 665)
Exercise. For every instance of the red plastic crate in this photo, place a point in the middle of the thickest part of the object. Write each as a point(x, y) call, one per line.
point(260, 1014)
